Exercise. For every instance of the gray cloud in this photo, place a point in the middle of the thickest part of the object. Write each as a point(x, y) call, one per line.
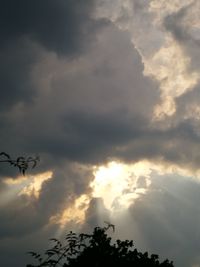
point(95, 215)
point(16, 64)
point(174, 23)
point(14, 250)
point(27, 29)
point(87, 111)
point(96, 107)
point(67, 184)
point(25, 219)
point(183, 25)
point(24, 214)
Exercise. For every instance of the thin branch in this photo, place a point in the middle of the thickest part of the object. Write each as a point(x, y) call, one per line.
point(22, 163)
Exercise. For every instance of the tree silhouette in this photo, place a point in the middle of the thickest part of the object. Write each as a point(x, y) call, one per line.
point(21, 163)
point(95, 250)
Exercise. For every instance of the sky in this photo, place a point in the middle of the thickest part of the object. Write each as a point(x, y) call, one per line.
point(106, 93)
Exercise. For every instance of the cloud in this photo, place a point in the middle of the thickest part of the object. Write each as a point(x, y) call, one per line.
point(16, 63)
point(96, 214)
point(26, 213)
point(87, 82)
point(184, 26)
point(183, 23)
point(14, 250)
point(97, 105)
point(89, 105)
point(58, 26)
point(62, 27)
point(166, 218)
point(165, 59)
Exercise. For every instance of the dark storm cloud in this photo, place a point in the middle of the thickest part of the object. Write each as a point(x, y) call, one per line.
point(29, 27)
point(98, 106)
point(88, 107)
point(114, 136)
point(16, 60)
point(93, 137)
point(178, 144)
point(61, 26)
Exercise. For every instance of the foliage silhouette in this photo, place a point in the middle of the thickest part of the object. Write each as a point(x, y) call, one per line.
point(21, 163)
point(95, 249)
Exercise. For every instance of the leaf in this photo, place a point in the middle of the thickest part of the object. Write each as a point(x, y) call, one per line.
point(54, 239)
point(5, 154)
point(20, 159)
point(32, 253)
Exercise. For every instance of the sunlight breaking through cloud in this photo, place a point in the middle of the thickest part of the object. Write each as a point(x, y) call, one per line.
point(36, 184)
point(76, 212)
point(119, 184)
point(29, 185)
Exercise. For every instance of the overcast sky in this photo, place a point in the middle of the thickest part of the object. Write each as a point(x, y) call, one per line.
point(106, 92)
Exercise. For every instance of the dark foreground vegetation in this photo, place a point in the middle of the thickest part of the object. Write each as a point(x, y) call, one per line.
point(95, 250)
